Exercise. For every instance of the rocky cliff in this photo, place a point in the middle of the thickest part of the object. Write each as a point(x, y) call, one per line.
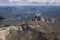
point(34, 30)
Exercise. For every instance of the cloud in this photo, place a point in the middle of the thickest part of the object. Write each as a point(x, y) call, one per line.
point(4, 1)
point(29, 1)
point(45, 1)
point(14, 0)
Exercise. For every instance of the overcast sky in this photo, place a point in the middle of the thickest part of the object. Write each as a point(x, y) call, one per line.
point(21, 2)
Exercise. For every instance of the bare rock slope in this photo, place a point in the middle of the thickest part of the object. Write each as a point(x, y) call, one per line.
point(35, 31)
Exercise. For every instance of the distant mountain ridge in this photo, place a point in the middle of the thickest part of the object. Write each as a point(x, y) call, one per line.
point(28, 8)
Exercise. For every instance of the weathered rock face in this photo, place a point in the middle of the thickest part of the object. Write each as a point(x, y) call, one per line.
point(45, 19)
point(2, 34)
point(36, 31)
point(33, 31)
point(28, 33)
